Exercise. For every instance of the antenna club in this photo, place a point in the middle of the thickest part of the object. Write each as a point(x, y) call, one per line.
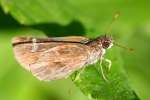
point(117, 14)
point(131, 49)
point(124, 47)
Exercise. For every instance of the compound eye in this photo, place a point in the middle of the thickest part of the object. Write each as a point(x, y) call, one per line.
point(106, 44)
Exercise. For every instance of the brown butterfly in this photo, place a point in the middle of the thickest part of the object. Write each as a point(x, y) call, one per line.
point(57, 57)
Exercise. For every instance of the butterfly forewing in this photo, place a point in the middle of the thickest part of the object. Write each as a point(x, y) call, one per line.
point(21, 40)
point(51, 60)
point(71, 39)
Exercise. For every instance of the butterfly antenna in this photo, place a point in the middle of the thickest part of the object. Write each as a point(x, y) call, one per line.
point(124, 47)
point(115, 17)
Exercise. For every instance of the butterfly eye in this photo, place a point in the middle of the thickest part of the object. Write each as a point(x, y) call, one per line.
point(106, 44)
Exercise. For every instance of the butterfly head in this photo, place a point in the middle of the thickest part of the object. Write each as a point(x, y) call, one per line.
point(106, 41)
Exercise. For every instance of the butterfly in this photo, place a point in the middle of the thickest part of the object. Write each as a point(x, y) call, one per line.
point(56, 58)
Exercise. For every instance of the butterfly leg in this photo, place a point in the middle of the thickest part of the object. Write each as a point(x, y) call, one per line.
point(78, 74)
point(102, 71)
point(109, 63)
point(35, 47)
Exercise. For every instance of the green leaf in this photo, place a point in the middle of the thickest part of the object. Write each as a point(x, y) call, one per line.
point(93, 14)
point(33, 11)
point(94, 86)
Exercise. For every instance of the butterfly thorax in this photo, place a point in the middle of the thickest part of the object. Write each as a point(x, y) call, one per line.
point(98, 47)
point(96, 51)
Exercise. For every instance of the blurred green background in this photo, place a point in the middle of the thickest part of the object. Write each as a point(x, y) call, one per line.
point(73, 17)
